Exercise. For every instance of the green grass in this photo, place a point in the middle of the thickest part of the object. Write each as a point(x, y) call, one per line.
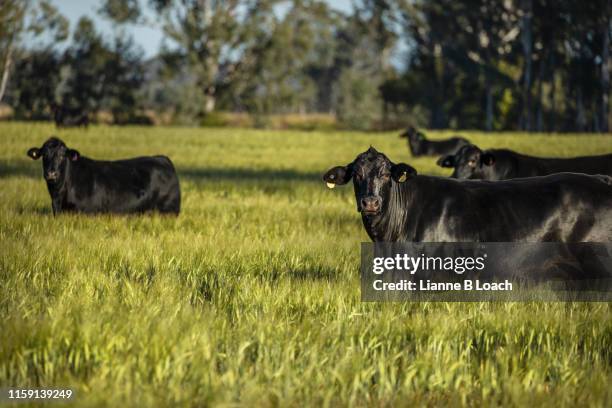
point(251, 296)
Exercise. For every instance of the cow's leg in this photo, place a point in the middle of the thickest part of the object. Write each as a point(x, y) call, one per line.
point(170, 205)
point(56, 205)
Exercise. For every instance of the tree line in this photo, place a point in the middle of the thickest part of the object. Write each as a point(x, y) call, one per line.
point(534, 65)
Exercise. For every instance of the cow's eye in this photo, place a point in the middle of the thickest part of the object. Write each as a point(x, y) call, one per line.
point(472, 163)
point(385, 176)
point(358, 176)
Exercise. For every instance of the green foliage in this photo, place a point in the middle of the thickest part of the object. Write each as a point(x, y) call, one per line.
point(251, 296)
point(358, 102)
point(187, 102)
point(91, 75)
point(25, 19)
point(83, 76)
point(278, 80)
point(210, 37)
point(505, 107)
point(18, 18)
point(12, 17)
point(466, 56)
point(537, 65)
point(33, 86)
point(121, 11)
point(47, 18)
point(266, 61)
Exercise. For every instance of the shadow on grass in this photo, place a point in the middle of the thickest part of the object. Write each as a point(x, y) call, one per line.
point(34, 210)
point(20, 169)
point(26, 169)
point(43, 211)
point(246, 175)
point(314, 272)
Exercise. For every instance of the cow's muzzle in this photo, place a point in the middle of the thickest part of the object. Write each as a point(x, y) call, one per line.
point(51, 175)
point(370, 205)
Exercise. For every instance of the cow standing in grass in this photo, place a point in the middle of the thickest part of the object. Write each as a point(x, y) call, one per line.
point(397, 204)
point(77, 183)
point(420, 146)
point(69, 117)
point(470, 162)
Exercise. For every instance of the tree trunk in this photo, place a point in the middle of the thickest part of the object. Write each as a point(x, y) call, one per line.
point(552, 126)
point(580, 116)
point(596, 125)
point(552, 96)
point(606, 66)
point(527, 42)
point(210, 99)
point(7, 68)
point(489, 104)
point(210, 77)
point(385, 111)
point(540, 109)
point(438, 113)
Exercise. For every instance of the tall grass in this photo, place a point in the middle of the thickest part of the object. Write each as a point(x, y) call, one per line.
point(251, 296)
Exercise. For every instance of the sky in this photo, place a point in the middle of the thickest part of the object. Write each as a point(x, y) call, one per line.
point(148, 38)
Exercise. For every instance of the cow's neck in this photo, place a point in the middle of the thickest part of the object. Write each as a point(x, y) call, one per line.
point(506, 167)
point(393, 223)
point(416, 147)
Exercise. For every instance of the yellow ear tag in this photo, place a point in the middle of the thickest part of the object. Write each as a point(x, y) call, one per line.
point(330, 185)
point(403, 177)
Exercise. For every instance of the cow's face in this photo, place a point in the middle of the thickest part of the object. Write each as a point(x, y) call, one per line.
point(373, 175)
point(55, 155)
point(469, 162)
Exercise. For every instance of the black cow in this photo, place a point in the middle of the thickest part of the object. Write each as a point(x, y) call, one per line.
point(470, 162)
point(69, 117)
point(396, 204)
point(77, 183)
point(420, 146)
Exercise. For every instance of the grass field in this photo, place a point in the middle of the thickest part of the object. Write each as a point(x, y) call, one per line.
point(251, 296)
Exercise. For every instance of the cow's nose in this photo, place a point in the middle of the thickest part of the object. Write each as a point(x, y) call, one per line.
point(51, 175)
point(370, 204)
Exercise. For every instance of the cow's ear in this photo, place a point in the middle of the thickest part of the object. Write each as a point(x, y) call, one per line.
point(446, 161)
point(488, 159)
point(401, 172)
point(34, 153)
point(337, 175)
point(73, 155)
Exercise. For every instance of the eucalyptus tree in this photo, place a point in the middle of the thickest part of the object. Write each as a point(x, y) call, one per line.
point(25, 19)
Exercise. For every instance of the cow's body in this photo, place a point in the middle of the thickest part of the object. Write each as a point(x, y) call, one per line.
point(420, 146)
point(69, 117)
point(123, 186)
point(398, 205)
point(501, 164)
point(565, 207)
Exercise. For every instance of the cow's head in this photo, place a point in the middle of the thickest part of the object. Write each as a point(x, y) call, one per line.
point(55, 155)
point(413, 135)
point(416, 140)
point(373, 175)
point(469, 162)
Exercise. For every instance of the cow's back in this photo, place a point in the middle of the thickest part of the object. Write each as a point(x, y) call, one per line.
point(528, 166)
point(123, 186)
point(562, 207)
point(570, 207)
point(443, 147)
